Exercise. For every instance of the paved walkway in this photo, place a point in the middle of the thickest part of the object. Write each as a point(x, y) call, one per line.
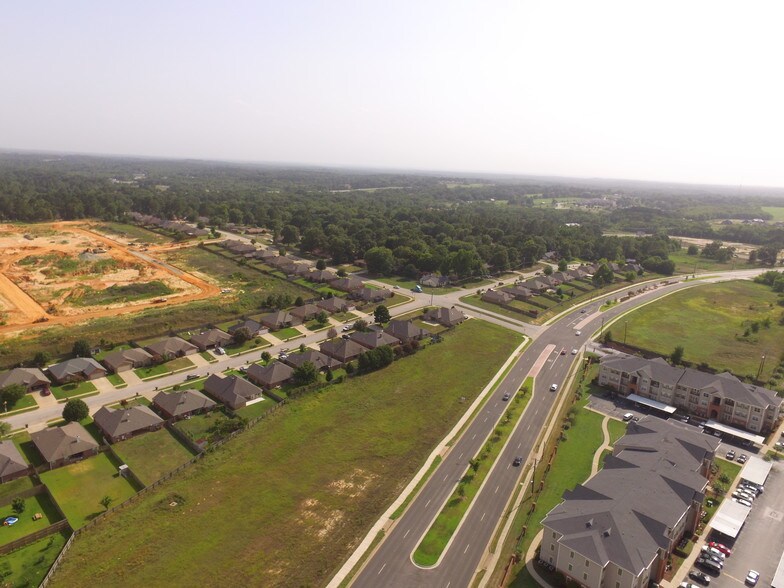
point(597, 457)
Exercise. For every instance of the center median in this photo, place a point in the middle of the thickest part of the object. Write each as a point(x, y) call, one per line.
point(432, 545)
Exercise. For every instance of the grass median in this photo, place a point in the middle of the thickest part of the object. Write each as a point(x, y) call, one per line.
point(435, 540)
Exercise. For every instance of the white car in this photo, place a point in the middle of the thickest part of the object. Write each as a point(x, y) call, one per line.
point(554, 388)
point(752, 578)
point(578, 333)
point(346, 327)
point(628, 416)
point(220, 351)
point(742, 501)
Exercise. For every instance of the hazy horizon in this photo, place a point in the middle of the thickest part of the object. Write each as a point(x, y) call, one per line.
point(665, 92)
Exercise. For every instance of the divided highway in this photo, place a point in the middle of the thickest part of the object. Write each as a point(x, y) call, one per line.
point(391, 564)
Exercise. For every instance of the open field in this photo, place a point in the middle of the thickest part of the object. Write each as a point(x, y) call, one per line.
point(776, 211)
point(127, 234)
point(709, 321)
point(28, 566)
point(314, 476)
point(70, 271)
point(686, 264)
point(78, 488)
point(151, 455)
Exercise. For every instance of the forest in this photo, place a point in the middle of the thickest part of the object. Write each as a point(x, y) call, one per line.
point(404, 223)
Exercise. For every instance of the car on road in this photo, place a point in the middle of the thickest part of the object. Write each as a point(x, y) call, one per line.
point(191, 376)
point(582, 311)
point(554, 388)
point(752, 578)
point(574, 352)
point(730, 455)
point(346, 327)
point(628, 416)
point(396, 287)
point(517, 461)
point(506, 397)
point(743, 457)
point(578, 333)
point(721, 547)
point(700, 577)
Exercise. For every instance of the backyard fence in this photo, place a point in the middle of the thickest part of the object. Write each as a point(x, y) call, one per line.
point(35, 536)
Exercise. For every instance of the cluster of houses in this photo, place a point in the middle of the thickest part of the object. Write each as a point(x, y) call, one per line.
point(354, 288)
point(540, 284)
point(149, 220)
point(621, 526)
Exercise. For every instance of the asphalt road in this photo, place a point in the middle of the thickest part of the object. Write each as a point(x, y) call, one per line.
point(391, 564)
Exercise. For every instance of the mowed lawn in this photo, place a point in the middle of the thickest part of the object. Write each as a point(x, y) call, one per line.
point(151, 455)
point(284, 503)
point(707, 321)
point(26, 525)
point(78, 488)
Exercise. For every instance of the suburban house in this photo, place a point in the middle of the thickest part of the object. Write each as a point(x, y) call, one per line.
point(497, 296)
point(76, 370)
point(171, 347)
point(12, 464)
point(448, 317)
point(300, 269)
point(577, 273)
point(123, 423)
point(287, 266)
point(183, 403)
point(720, 397)
point(237, 246)
point(210, 339)
point(620, 527)
point(263, 254)
point(321, 276)
point(30, 378)
point(550, 281)
point(535, 285)
point(318, 359)
point(434, 281)
point(232, 391)
point(254, 328)
point(371, 294)
point(347, 284)
point(374, 339)
point(279, 320)
point(343, 350)
point(127, 359)
point(61, 445)
point(306, 312)
point(519, 292)
point(270, 376)
point(279, 261)
point(562, 277)
point(405, 331)
point(335, 304)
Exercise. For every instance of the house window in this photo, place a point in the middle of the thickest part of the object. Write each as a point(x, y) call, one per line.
point(620, 572)
point(585, 576)
point(571, 555)
point(552, 546)
point(553, 534)
point(570, 567)
point(587, 563)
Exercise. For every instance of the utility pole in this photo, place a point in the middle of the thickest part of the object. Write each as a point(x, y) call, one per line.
point(761, 367)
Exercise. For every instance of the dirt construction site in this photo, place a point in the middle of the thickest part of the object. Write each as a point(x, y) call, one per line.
point(66, 272)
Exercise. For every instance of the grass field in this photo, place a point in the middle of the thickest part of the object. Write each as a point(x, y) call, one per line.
point(116, 380)
point(197, 426)
point(131, 232)
point(78, 488)
point(287, 333)
point(72, 390)
point(27, 566)
point(151, 455)
point(407, 284)
point(708, 321)
point(685, 264)
point(776, 211)
point(617, 429)
point(26, 401)
point(15, 487)
point(26, 525)
point(314, 477)
point(162, 369)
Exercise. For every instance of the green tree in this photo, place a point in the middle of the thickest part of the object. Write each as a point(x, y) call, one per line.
point(299, 301)
point(18, 505)
point(322, 318)
point(330, 376)
point(361, 326)
point(562, 265)
point(106, 501)
point(240, 336)
point(40, 359)
point(75, 410)
point(332, 333)
point(265, 356)
point(5, 428)
point(305, 374)
point(381, 314)
point(321, 264)
point(81, 348)
point(290, 234)
point(342, 273)
point(692, 250)
point(12, 394)
point(380, 260)
point(677, 355)
point(548, 270)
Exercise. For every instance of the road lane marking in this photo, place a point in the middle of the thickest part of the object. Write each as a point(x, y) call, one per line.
point(428, 502)
point(445, 477)
point(474, 437)
point(521, 443)
point(496, 489)
point(483, 517)
point(508, 466)
point(461, 456)
point(382, 569)
point(466, 549)
point(539, 363)
point(406, 535)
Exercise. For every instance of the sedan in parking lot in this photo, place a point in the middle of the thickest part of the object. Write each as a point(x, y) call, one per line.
point(743, 457)
point(730, 455)
point(710, 565)
point(721, 547)
point(742, 501)
point(752, 578)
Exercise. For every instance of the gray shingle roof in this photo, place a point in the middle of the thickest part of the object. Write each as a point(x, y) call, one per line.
point(232, 390)
point(11, 461)
point(374, 339)
point(170, 346)
point(272, 374)
point(317, 358)
point(134, 356)
point(181, 402)
point(28, 377)
point(125, 421)
point(78, 366)
point(211, 337)
point(56, 443)
point(405, 330)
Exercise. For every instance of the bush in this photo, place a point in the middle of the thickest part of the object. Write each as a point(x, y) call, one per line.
point(75, 410)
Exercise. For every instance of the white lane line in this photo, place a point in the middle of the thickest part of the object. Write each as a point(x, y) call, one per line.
point(485, 419)
point(445, 477)
point(466, 549)
point(406, 535)
point(459, 458)
point(496, 489)
point(508, 466)
point(483, 517)
point(382, 569)
point(428, 502)
point(474, 437)
point(520, 444)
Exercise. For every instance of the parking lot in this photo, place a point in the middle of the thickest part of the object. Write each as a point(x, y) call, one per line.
point(761, 540)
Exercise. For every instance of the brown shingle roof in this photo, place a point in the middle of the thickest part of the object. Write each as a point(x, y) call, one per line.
point(125, 421)
point(181, 402)
point(55, 443)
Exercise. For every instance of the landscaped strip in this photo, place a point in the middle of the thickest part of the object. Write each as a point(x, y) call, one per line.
point(116, 381)
point(437, 537)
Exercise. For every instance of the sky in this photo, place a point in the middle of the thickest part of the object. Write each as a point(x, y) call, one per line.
point(663, 90)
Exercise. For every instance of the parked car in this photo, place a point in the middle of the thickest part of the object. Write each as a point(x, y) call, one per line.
point(220, 351)
point(714, 552)
point(506, 397)
point(628, 416)
point(574, 352)
point(563, 351)
point(721, 547)
point(578, 333)
point(517, 461)
point(752, 578)
point(710, 565)
point(730, 455)
point(45, 392)
point(346, 327)
point(743, 457)
point(700, 577)
point(554, 388)
point(191, 376)
point(742, 501)
point(687, 585)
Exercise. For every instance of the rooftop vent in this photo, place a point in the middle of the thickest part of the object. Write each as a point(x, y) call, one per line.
point(589, 523)
point(606, 533)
